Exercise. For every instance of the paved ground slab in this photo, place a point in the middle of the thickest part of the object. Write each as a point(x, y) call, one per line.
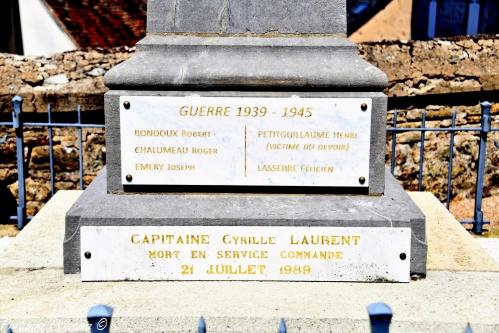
point(37, 297)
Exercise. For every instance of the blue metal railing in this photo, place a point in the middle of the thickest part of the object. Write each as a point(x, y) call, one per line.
point(19, 124)
point(380, 317)
point(472, 21)
point(478, 220)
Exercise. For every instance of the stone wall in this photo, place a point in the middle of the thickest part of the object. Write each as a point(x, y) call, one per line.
point(443, 69)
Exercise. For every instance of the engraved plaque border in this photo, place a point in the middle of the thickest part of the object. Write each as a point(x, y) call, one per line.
point(236, 151)
point(373, 254)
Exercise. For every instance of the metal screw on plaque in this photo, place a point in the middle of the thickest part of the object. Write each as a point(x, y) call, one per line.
point(362, 180)
point(99, 318)
point(282, 326)
point(403, 256)
point(380, 316)
point(87, 255)
point(202, 325)
point(129, 178)
point(363, 106)
point(126, 104)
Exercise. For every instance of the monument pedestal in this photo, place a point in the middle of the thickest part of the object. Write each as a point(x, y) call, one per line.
point(287, 118)
point(96, 207)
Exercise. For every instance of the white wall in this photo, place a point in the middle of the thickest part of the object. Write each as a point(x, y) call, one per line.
point(41, 34)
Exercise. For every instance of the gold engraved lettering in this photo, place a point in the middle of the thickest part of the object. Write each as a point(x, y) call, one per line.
point(242, 254)
point(156, 132)
point(293, 134)
point(316, 255)
point(334, 147)
point(198, 254)
point(161, 150)
point(181, 167)
point(135, 239)
point(196, 134)
point(169, 239)
point(204, 111)
point(324, 240)
point(345, 135)
point(149, 166)
point(163, 254)
point(204, 151)
point(282, 146)
point(276, 168)
point(317, 169)
point(236, 269)
point(248, 240)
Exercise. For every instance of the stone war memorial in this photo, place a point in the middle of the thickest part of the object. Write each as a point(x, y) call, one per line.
point(245, 141)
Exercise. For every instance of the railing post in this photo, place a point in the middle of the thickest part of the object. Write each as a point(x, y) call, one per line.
point(99, 318)
point(380, 315)
point(282, 326)
point(473, 18)
point(17, 121)
point(394, 143)
point(201, 325)
point(478, 218)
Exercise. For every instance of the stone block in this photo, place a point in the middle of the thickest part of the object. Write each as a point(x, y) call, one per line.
point(378, 129)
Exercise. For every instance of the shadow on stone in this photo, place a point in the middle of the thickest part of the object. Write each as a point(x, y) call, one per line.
point(8, 204)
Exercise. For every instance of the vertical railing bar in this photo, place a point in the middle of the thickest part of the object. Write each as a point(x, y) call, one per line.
point(17, 123)
point(80, 145)
point(282, 326)
point(473, 18)
point(432, 19)
point(380, 317)
point(451, 159)
point(51, 150)
point(421, 152)
point(478, 215)
point(201, 325)
point(394, 142)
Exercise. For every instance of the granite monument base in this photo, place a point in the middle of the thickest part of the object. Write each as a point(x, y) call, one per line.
point(96, 207)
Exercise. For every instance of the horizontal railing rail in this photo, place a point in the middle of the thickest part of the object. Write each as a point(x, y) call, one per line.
point(478, 220)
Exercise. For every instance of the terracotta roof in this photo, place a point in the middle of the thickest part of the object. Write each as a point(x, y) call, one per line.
point(101, 23)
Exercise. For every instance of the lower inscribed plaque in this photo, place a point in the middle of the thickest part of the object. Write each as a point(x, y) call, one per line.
point(245, 141)
point(245, 253)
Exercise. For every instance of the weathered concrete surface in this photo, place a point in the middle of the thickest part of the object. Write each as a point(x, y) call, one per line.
point(450, 246)
point(98, 208)
point(36, 295)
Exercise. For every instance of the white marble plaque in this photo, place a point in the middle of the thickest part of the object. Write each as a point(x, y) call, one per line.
point(245, 253)
point(245, 141)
